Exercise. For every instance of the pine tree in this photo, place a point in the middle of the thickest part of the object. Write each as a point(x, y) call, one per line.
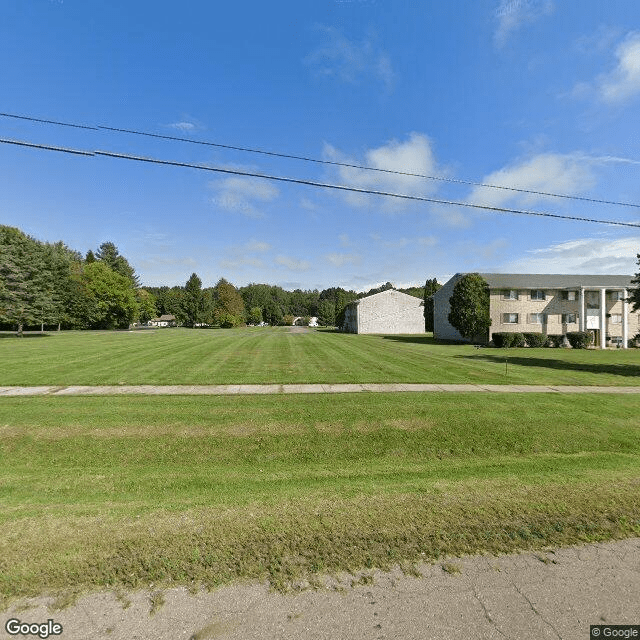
point(25, 295)
point(430, 287)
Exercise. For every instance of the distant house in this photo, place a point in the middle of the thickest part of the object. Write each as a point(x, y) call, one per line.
point(553, 304)
point(299, 321)
point(389, 311)
point(166, 320)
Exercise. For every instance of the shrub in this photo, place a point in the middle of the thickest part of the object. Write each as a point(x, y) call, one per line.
point(579, 339)
point(228, 320)
point(287, 320)
point(535, 339)
point(555, 340)
point(506, 339)
point(499, 338)
point(517, 340)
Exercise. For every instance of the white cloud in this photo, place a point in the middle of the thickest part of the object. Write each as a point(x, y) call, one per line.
point(586, 255)
point(240, 256)
point(350, 61)
point(600, 40)
point(240, 195)
point(183, 126)
point(152, 262)
point(340, 259)
point(567, 174)
point(623, 82)
point(186, 125)
point(414, 155)
point(255, 245)
point(427, 241)
point(240, 262)
point(344, 240)
point(400, 243)
point(513, 14)
point(292, 263)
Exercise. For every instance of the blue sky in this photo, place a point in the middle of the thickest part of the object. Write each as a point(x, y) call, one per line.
point(537, 94)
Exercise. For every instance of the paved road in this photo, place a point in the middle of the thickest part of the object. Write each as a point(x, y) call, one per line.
point(533, 596)
point(248, 389)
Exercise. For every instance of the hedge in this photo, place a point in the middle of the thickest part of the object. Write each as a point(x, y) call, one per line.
point(535, 339)
point(555, 340)
point(579, 339)
point(506, 339)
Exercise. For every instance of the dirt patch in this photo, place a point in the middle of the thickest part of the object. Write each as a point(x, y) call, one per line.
point(298, 329)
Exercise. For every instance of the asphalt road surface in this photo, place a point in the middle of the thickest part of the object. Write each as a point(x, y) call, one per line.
point(532, 596)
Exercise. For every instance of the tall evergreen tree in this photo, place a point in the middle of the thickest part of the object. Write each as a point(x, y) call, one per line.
point(108, 253)
point(22, 269)
point(193, 302)
point(430, 287)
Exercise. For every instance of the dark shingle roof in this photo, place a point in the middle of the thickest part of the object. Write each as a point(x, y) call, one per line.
point(553, 281)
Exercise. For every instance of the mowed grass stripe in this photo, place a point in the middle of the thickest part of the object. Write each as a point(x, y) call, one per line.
point(275, 355)
point(125, 491)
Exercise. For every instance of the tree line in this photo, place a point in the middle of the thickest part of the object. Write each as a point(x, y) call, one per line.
point(48, 284)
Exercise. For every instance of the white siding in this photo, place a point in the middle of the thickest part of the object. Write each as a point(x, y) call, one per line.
point(386, 312)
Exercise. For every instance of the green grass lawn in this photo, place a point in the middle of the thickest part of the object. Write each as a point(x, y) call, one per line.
point(128, 491)
point(275, 355)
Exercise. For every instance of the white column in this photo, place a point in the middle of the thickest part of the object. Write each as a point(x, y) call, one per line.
point(625, 321)
point(603, 318)
point(583, 322)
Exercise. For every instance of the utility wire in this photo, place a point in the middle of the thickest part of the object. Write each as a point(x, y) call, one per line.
point(318, 161)
point(311, 183)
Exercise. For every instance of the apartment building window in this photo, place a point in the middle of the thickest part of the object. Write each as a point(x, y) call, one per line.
point(568, 295)
point(510, 294)
point(616, 295)
point(537, 294)
point(616, 318)
point(569, 318)
point(536, 318)
point(509, 318)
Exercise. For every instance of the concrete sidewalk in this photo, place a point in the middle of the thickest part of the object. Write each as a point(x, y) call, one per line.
point(259, 389)
point(553, 594)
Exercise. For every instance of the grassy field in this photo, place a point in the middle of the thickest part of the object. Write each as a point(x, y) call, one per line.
point(258, 355)
point(128, 491)
point(124, 492)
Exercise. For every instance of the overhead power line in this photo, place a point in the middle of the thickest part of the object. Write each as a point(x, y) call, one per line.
point(311, 183)
point(319, 161)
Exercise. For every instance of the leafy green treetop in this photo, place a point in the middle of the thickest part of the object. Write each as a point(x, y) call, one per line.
point(634, 297)
point(470, 307)
point(229, 305)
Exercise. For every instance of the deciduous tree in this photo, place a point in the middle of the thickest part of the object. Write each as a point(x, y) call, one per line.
point(470, 307)
point(634, 297)
point(229, 305)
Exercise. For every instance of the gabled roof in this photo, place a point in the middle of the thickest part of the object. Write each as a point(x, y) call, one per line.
point(386, 292)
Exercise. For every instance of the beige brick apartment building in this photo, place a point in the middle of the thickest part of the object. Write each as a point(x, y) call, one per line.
point(551, 304)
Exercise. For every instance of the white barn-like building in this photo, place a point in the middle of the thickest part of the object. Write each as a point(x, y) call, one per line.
point(389, 311)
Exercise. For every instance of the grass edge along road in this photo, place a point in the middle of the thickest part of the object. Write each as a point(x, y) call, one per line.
point(125, 492)
point(278, 356)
